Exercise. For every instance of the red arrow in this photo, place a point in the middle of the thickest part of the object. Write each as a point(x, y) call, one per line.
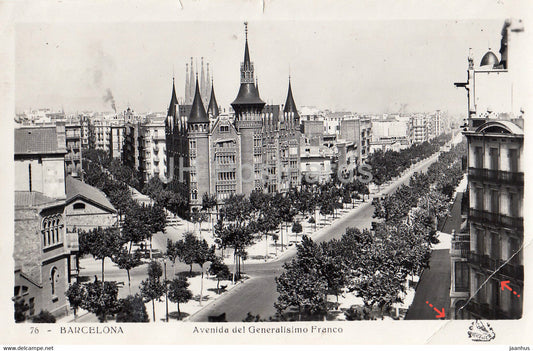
point(440, 314)
point(505, 285)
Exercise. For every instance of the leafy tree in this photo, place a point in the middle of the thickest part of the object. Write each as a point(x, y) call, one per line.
point(152, 288)
point(101, 243)
point(237, 208)
point(186, 249)
point(203, 253)
point(172, 252)
point(178, 292)
point(100, 298)
point(127, 261)
point(297, 228)
point(44, 317)
point(301, 288)
point(303, 283)
point(132, 310)
point(237, 236)
point(220, 270)
point(157, 221)
point(208, 203)
point(75, 297)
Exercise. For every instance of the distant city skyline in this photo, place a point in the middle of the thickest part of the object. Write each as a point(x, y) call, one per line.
point(359, 66)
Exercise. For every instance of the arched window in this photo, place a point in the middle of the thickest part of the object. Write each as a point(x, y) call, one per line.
point(54, 276)
point(79, 206)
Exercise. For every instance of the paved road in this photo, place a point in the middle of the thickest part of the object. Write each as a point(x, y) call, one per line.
point(258, 294)
point(434, 285)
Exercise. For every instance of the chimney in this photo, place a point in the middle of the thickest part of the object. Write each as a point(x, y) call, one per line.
point(61, 137)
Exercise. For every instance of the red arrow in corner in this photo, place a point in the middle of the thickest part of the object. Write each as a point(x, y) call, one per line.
point(440, 314)
point(505, 284)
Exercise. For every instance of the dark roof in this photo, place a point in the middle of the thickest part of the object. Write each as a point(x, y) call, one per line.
point(212, 109)
point(290, 106)
point(198, 114)
point(173, 101)
point(32, 199)
point(248, 95)
point(489, 59)
point(77, 189)
point(40, 140)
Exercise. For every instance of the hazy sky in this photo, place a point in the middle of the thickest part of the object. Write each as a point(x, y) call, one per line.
point(360, 65)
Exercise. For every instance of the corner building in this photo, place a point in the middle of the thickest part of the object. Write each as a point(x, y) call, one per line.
point(256, 149)
point(490, 250)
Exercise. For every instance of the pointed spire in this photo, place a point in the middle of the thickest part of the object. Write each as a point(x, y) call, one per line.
point(191, 87)
point(212, 110)
point(198, 114)
point(202, 80)
point(246, 51)
point(290, 106)
point(257, 86)
point(247, 94)
point(172, 112)
point(187, 83)
point(207, 81)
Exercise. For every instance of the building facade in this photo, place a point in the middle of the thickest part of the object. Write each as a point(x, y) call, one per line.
point(42, 247)
point(144, 147)
point(491, 251)
point(256, 149)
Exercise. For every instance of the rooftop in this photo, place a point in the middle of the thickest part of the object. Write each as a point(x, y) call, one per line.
point(37, 140)
point(32, 199)
point(78, 189)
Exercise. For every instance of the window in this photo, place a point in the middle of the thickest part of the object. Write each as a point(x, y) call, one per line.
point(513, 160)
point(495, 246)
point(514, 248)
point(29, 176)
point(481, 295)
point(79, 206)
point(224, 129)
point(50, 232)
point(480, 242)
point(54, 276)
point(494, 201)
point(479, 199)
point(494, 158)
point(513, 204)
point(462, 277)
point(478, 157)
point(495, 293)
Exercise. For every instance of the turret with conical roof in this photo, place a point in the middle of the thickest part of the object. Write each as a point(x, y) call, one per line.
point(172, 112)
point(290, 110)
point(248, 97)
point(197, 114)
point(248, 107)
point(212, 110)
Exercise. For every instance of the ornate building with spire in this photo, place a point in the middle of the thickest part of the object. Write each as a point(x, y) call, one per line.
point(257, 148)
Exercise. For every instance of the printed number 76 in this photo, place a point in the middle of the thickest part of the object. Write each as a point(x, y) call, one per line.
point(34, 330)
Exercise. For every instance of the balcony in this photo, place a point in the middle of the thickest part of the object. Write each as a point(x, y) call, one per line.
point(508, 270)
point(505, 177)
point(460, 248)
point(486, 311)
point(486, 217)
